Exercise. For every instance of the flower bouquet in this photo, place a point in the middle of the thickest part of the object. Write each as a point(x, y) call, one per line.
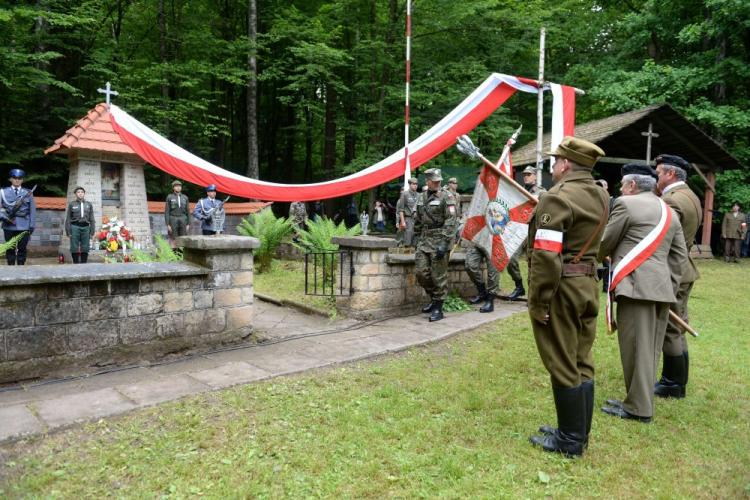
point(113, 237)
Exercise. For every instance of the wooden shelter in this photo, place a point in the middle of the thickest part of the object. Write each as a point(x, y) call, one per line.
point(639, 136)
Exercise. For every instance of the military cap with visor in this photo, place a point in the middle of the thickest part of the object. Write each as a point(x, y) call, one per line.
point(176, 183)
point(529, 170)
point(433, 174)
point(413, 180)
point(580, 151)
point(17, 173)
point(211, 187)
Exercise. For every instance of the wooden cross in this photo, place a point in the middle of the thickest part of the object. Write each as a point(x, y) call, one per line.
point(649, 135)
point(107, 90)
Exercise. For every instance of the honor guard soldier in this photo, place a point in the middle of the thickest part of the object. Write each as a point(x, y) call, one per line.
point(79, 225)
point(672, 173)
point(18, 215)
point(176, 212)
point(564, 236)
point(407, 211)
point(529, 182)
point(435, 223)
point(205, 208)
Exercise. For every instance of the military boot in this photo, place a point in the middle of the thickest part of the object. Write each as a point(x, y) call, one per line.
point(570, 434)
point(518, 292)
point(673, 378)
point(76, 258)
point(437, 311)
point(489, 304)
point(84, 257)
point(481, 295)
point(588, 398)
point(429, 307)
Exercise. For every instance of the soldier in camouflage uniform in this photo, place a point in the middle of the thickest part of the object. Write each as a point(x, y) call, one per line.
point(407, 211)
point(475, 259)
point(564, 237)
point(298, 215)
point(436, 224)
point(529, 182)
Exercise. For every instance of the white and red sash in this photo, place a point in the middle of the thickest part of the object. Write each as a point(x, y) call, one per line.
point(639, 254)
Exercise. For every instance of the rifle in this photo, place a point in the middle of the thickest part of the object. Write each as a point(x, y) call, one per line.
point(10, 215)
point(218, 222)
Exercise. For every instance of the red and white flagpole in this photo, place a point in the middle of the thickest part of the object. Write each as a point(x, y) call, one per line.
point(407, 163)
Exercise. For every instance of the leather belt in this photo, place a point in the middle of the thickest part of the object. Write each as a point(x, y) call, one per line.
point(571, 269)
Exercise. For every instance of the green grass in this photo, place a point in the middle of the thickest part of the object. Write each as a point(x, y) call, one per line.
point(449, 420)
point(285, 280)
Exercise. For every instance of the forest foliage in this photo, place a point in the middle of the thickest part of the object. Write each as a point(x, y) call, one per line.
point(330, 73)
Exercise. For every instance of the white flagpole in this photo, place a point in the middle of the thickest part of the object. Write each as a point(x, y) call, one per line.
point(407, 163)
point(539, 111)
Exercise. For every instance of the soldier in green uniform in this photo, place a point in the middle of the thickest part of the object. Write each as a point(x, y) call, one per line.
point(79, 225)
point(733, 229)
point(672, 173)
point(475, 260)
point(564, 236)
point(529, 182)
point(436, 224)
point(176, 212)
point(407, 211)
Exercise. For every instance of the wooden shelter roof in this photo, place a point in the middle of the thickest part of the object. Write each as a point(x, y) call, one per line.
point(620, 137)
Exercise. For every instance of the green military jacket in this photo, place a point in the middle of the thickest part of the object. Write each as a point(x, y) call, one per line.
point(569, 215)
point(77, 214)
point(436, 220)
point(733, 227)
point(688, 208)
point(409, 202)
point(175, 208)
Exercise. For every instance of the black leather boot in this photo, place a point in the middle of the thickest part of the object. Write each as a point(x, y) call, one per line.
point(437, 311)
point(76, 258)
point(481, 295)
point(428, 307)
point(518, 292)
point(673, 378)
point(489, 304)
point(570, 434)
point(588, 398)
point(84, 257)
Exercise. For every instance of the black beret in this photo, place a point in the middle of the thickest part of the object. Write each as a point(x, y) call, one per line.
point(671, 160)
point(638, 169)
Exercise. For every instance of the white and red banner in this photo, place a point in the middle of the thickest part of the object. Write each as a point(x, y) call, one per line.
point(563, 114)
point(173, 159)
point(498, 217)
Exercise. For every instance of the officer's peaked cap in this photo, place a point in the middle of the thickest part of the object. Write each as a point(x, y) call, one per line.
point(638, 169)
point(17, 172)
point(211, 187)
point(176, 183)
point(581, 151)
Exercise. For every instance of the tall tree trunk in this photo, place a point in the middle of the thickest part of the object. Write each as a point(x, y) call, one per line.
point(308, 143)
point(350, 100)
point(163, 57)
point(252, 91)
point(329, 139)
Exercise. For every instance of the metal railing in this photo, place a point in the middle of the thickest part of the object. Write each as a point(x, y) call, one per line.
point(329, 273)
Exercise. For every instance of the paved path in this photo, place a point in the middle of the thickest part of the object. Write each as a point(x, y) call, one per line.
point(293, 342)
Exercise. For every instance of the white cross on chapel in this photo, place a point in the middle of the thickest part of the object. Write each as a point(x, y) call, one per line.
point(649, 135)
point(107, 90)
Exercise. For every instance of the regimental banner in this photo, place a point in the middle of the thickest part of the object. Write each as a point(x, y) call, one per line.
point(498, 217)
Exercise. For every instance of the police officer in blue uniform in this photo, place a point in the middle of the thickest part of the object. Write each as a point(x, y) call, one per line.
point(205, 209)
point(18, 214)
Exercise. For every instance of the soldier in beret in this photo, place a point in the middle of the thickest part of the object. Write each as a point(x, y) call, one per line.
point(79, 225)
point(645, 242)
point(672, 174)
point(176, 212)
point(435, 223)
point(564, 236)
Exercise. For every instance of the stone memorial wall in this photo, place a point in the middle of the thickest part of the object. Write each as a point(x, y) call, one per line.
point(56, 320)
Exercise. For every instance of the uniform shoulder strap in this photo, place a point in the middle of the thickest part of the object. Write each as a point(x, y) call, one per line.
point(597, 231)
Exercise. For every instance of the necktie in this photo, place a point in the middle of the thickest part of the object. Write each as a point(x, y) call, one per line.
point(82, 210)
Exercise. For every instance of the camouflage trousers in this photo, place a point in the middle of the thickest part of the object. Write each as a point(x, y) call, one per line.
point(432, 274)
point(513, 268)
point(476, 259)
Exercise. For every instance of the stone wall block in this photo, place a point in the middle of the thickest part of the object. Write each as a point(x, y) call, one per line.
point(92, 335)
point(227, 297)
point(58, 311)
point(136, 330)
point(248, 297)
point(16, 314)
point(151, 303)
point(98, 288)
point(388, 282)
point(67, 290)
point(34, 342)
point(223, 261)
point(246, 261)
point(178, 301)
point(191, 283)
point(368, 269)
point(203, 299)
point(156, 285)
point(104, 308)
point(20, 294)
point(205, 321)
point(170, 325)
point(222, 279)
point(118, 287)
point(239, 318)
point(242, 278)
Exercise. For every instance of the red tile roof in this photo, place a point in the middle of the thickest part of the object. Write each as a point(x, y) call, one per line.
point(93, 132)
point(156, 207)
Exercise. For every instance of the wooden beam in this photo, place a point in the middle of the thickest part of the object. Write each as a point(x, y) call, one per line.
point(622, 161)
point(705, 179)
point(687, 143)
point(708, 210)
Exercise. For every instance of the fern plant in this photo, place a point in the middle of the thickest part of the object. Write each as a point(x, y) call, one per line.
point(269, 230)
point(11, 243)
point(164, 252)
point(319, 233)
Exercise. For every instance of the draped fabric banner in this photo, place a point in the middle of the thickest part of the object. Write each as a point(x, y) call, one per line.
point(173, 159)
point(563, 114)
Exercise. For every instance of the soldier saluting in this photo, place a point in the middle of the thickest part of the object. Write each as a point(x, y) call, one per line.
point(176, 211)
point(435, 223)
point(79, 223)
point(18, 215)
point(564, 236)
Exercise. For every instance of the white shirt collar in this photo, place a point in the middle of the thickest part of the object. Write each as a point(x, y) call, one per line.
point(673, 185)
